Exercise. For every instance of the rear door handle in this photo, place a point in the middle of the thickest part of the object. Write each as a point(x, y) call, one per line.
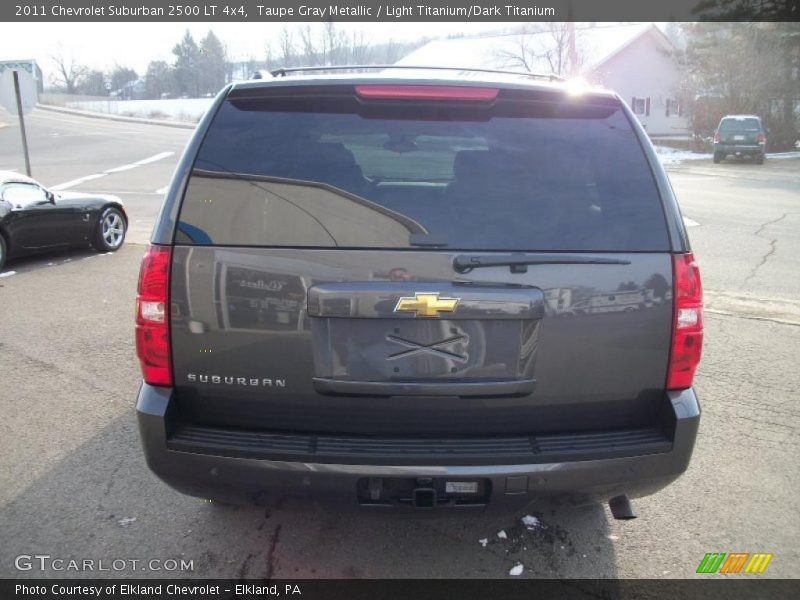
point(497, 388)
point(379, 300)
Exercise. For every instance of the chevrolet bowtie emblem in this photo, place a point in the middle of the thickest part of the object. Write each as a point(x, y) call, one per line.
point(426, 305)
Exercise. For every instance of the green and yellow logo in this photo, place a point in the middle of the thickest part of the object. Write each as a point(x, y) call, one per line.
point(734, 562)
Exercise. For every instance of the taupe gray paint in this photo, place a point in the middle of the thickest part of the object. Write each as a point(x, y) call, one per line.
point(598, 354)
point(590, 347)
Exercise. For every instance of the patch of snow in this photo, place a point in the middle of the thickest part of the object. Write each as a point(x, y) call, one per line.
point(124, 522)
point(783, 155)
point(516, 570)
point(8, 274)
point(671, 156)
point(502, 534)
point(180, 109)
point(531, 522)
point(483, 542)
point(613, 538)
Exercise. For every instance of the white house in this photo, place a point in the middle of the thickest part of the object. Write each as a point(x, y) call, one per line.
point(635, 60)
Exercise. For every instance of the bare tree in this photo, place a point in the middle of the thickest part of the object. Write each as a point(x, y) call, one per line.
point(552, 44)
point(335, 46)
point(746, 10)
point(522, 56)
point(68, 72)
point(286, 50)
point(359, 49)
point(308, 45)
point(329, 44)
point(324, 44)
point(743, 68)
point(391, 51)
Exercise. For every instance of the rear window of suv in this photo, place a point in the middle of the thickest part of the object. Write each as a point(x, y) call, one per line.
point(526, 173)
point(739, 125)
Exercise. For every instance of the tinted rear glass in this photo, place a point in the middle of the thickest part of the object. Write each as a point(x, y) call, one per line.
point(730, 125)
point(560, 175)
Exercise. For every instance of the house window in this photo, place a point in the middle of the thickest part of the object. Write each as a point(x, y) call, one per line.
point(673, 107)
point(640, 106)
point(775, 106)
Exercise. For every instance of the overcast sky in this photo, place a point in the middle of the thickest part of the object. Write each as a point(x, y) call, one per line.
point(104, 45)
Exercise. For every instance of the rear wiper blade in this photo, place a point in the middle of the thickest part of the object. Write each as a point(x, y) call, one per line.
point(464, 263)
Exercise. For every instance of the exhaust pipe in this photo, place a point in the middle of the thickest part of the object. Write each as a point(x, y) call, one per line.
point(621, 508)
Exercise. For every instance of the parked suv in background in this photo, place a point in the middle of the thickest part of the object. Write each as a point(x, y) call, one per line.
point(394, 292)
point(740, 135)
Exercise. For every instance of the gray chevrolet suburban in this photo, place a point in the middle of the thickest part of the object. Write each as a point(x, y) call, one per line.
point(419, 289)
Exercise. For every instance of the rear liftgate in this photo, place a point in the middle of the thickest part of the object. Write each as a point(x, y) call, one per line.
point(433, 341)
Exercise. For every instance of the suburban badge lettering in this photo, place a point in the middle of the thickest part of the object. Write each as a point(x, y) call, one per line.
point(228, 380)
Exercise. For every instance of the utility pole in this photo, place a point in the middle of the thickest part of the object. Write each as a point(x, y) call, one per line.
point(22, 124)
point(573, 52)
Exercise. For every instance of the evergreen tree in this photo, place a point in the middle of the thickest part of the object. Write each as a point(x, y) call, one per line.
point(212, 63)
point(121, 76)
point(159, 79)
point(92, 83)
point(187, 67)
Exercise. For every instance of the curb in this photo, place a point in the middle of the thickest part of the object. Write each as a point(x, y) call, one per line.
point(110, 117)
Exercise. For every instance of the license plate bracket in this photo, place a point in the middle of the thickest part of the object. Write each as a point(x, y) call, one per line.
point(461, 487)
point(433, 492)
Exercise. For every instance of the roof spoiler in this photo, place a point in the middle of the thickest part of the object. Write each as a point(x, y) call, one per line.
point(286, 71)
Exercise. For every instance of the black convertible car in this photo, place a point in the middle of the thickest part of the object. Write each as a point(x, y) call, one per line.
point(34, 219)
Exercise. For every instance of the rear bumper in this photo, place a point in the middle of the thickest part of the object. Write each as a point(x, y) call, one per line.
point(740, 149)
point(511, 486)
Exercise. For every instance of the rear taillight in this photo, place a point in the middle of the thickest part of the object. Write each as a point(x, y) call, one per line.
point(152, 316)
point(761, 138)
point(426, 92)
point(717, 137)
point(687, 326)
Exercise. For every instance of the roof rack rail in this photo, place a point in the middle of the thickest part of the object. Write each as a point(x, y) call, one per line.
point(285, 71)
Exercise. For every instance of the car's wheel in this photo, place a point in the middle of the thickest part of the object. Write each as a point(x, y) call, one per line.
point(3, 251)
point(718, 157)
point(111, 230)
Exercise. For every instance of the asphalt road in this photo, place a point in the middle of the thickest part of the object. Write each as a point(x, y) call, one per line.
point(745, 229)
point(73, 483)
point(65, 149)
